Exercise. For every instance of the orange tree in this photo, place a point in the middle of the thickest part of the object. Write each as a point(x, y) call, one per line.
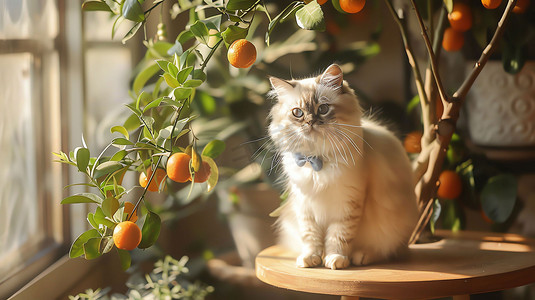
point(166, 84)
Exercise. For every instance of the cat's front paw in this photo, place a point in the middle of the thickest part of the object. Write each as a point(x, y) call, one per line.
point(308, 260)
point(336, 261)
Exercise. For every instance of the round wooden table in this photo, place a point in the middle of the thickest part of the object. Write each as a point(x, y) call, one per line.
point(459, 264)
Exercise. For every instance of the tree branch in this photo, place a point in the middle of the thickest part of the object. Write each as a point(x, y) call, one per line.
point(426, 188)
point(430, 52)
point(409, 51)
point(487, 52)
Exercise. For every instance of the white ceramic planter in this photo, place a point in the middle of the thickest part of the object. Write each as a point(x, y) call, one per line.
point(501, 107)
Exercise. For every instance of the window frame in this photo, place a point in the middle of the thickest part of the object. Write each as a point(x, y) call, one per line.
point(64, 101)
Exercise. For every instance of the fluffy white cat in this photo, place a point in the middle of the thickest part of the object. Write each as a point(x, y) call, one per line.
point(349, 180)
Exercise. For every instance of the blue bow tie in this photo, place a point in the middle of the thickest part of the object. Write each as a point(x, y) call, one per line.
point(315, 162)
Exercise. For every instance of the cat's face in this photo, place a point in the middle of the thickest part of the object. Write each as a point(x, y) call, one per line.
point(308, 112)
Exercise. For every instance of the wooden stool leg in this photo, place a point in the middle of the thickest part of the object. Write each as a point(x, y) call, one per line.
point(350, 298)
point(461, 297)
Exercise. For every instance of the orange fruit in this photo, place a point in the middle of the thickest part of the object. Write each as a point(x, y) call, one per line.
point(126, 235)
point(521, 6)
point(156, 181)
point(321, 2)
point(413, 142)
point(450, 186)
point(453, 40)
point(178, 167)
point(128, 208)
point(460, 17)
point(352, 6)
point(241, 54)
point(203, 173)
point(491, 4)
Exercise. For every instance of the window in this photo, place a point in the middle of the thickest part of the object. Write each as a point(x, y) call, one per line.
point(29, 129)
point(52, 84)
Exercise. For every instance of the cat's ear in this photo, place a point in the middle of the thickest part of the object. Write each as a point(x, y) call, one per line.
point(332, 76)
point(280, 85)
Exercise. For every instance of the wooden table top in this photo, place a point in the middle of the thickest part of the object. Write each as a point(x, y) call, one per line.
point(461, 263)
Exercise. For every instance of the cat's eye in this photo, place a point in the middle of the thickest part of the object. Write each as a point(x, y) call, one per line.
point(323, 109)
point(297, 112)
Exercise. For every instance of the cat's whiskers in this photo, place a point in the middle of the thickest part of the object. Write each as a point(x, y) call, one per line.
point(343, 139)
point(337, 138)
point(334, 152)
point(355, 146)
point(347, 130)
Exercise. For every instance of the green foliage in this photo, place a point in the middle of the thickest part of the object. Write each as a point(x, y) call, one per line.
point(166, 281)
point(310, 17)
point(150, 230)
point(498, 197)
point(168, 93)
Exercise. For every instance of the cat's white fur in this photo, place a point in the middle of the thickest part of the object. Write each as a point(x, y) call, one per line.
point(360, 207)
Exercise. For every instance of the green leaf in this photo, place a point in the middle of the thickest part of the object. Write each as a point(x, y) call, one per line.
point(199, 74)
point(131, 32)
point(120, 129)
point(109, 206)
point(132, 122)
point(233, 33)
point(183, 74)
point(91, 248)
point(144, 76)
point(214, 173)
point(170, 80)
point(95, 6)
point(213, 149)
point(163, 64)
point(133, 11)
point(415, 101)
point(310, 17)
point(82, 159)
point(91, 220)
point(213, 22)
point(77, 247)
point(452, 216)
point(289, 10)
point(207, 103)
point(182, 93)
point(240, 4)
point(100, 218)
point(513, 58)
point(449, 5)
point(200, 31)
point(82, 198)
point(106, 168)
point(468, 196)
point(121, 142)
point(124, 258)
point(119, 155)
point(193, 83)
point(184, 37)
point(150, 230)
point(154, 103)
point(336, 5)
point(172, 69)
point(498, 197)
point(106, 244)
